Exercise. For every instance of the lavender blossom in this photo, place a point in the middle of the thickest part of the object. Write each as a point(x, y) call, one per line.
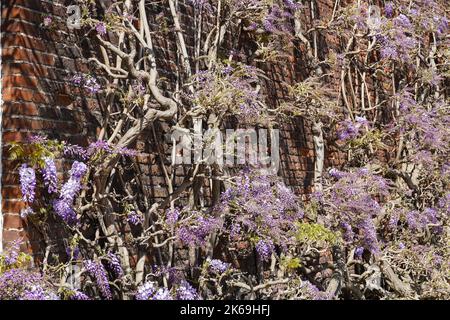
point(359, 252)
point(69, 190)
point(78, 295)
point(101, 28)
point(389, 9)
point(48, 21)
point(218, 266)
point(186, 292)
point(172, 216)
point(97, 271)
point(91, 85)
point(162, 294)
point(20, 284)
point(78, 170)
point(65, 211)
point(146, 291)
point(264, 249)
point(114, 264)
point(26, 212)
point(135, 218)
point(49, 174)
point(27, 183)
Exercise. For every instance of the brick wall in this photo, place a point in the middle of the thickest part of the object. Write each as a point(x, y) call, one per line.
point(39, 99)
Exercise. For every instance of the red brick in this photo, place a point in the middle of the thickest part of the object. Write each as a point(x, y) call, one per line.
point(12, 221)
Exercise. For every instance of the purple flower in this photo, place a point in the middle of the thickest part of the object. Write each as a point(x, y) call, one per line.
point(186, 292)
point(388, 51)
point(27, 183)
point(313, 293)
point(114, 264)
point(69, 190)
point(97, 271)
point(218, 266)
point(77, 79)
point(264, 249)
point(49, 174)
point(12, 253)
point(401, 245)
point(389, 9)
point(78, 170)
point(443, 25)
point(369, 233)
point(73, 253)
point(135, 218)
point(20, 284)
point(78, 295)
point(146, 291)
point(100, 145)
point(162, 294)
point(101, 28)
point(75, 151)
point(403, 22)
point(335, 173)
point(92, 85)
point(48, 21)
point(172, 216)
point(291, 4)
point(361, 120)
point(348, 130)
point(26, 212)
point(36, 292)
point(65, 211)
point(348, 232)
point(197, 232)
point(359, 252)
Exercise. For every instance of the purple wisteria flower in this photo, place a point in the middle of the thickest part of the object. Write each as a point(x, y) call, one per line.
point(313, 293)
point(75, 151)
point(27, 183)
point(403, 21)
point(78, 295)
point(97, 271)
point(162, 294)
point(36, 292)
point(359, 252)
point(146, 291)
point(114, 265)
point(26, 212)
point(264, 249)
point(91, 85)
point(348, 130)
point(389, 9)
point(291, 4)
point(20, 284)
point(65, 211)
point(69, 190)
point(49, 174)
point(197, 232)
point(78, 170)
point(11, 254)
point(101, 28)
point(172, 216)
point(218, 266)
point(135, 218)
point(77, 79)
point(186, 292)
point(73, 252)
point(335, 173)
point(48, 21)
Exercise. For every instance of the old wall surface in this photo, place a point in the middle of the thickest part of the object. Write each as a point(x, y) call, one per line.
point(38, 98)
